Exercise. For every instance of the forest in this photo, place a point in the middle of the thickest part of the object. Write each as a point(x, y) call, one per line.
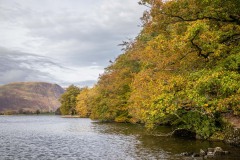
point(182, 70)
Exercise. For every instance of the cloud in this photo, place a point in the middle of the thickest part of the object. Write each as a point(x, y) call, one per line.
point(19, 66)
point(78, 34)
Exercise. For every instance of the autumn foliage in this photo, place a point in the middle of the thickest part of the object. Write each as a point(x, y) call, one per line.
point(68, 100)
point(183, 69)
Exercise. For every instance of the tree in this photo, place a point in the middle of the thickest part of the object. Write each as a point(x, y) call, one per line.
point(84, 99)
point(68, 100)
point(37, 112)
point(182, 69)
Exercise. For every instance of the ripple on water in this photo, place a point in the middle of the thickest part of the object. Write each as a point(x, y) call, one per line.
point(41, 138)
point(55, 138)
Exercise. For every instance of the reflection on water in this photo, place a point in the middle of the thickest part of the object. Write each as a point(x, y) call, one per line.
point(53, 137)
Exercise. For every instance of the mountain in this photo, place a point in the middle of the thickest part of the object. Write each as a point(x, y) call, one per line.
point(29, 97)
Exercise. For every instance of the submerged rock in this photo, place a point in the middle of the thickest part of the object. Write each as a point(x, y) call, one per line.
point(209, 153)
point(215, 152)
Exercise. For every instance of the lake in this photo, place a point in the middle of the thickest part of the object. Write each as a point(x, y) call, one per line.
point(56, 138)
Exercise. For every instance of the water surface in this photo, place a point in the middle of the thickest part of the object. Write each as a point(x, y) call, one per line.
point(56, 138)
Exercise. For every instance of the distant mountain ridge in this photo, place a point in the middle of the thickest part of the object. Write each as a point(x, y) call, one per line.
point(30, 97)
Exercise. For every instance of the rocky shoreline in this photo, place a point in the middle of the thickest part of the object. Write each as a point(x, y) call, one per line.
point(216, 152)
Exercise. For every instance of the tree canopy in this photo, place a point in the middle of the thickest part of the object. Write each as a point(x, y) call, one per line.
point(183, 69)
point(68, 100)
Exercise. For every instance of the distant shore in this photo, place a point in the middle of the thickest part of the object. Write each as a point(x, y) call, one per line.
point(71, 116)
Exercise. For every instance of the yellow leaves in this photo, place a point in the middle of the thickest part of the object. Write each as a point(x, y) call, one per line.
point(145, 87)
point(208, 108)
point(154, 95)
point(82, 107)
point(172, 67)
point(230, 103)
point(202, 34)
point(121, 119)
point(215, 91)
point(196, 28)
point(230, 28)
point(171, 109)
point(148, 49)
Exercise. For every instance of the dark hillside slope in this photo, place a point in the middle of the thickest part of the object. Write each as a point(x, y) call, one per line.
point(30, 97)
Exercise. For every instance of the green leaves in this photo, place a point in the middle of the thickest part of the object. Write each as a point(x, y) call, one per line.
point(68, 100)
point(182, 69)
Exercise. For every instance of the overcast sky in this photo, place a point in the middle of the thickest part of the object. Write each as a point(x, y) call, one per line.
point(63, 41)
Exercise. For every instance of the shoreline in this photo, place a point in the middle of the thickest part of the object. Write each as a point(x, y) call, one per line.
point(70, 116)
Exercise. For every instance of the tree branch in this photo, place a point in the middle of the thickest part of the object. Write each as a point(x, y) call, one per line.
point(233, 38)
point(199, 48)
point(233, 19)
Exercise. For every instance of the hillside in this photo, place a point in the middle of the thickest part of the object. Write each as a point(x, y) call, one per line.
point(29, 97)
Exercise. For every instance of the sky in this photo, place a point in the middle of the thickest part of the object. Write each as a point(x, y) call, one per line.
point(63, 41)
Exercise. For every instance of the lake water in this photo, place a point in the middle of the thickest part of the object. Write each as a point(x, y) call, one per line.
point(56, 138)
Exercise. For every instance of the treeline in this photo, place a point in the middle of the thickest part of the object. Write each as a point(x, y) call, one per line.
point(183, 69)
point(24, 112)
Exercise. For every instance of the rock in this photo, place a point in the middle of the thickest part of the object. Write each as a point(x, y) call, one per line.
point(218, 149)
point(186, 154)
point(210, 150)
point(210, 154)
point(202, 153)
point(196, 155)
point(215, 152)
